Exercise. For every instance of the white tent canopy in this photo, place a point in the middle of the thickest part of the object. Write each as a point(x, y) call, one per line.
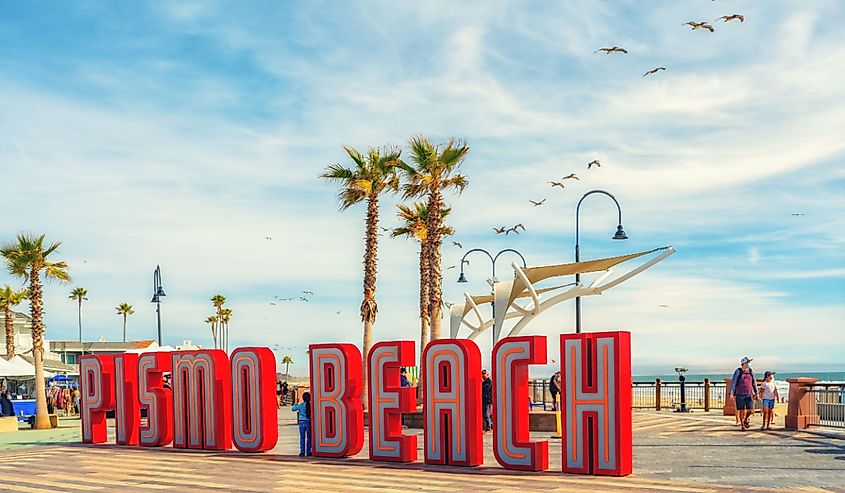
point(18, 367)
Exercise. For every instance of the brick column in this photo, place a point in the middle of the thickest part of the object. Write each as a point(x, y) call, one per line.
point(730, 403)
point(802, 409)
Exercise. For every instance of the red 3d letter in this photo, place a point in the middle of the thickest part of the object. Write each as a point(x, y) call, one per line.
point(388, 400)
point(511, 444)
point(255, 426)
point(452, 412)
point(155, 398)
point(337, 417)
point(127, 414)
point(96, 377)
point(596, 403)
point(202, 403)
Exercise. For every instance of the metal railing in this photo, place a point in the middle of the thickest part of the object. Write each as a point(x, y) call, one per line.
point(830, 404)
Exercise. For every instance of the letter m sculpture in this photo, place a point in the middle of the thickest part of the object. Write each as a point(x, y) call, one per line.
point(596, 403)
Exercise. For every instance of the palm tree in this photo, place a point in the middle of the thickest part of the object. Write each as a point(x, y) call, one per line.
point(225, 317)
point(124, 309)
point(287, 361)
point(434, 169)
point(414, 221)
point(218, 300)
point(79, 294)
point(212, 320)
point(9, 298)
point(27, 258)
point(372, 175)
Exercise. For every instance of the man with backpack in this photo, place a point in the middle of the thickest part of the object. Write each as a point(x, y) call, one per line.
point(744, 390)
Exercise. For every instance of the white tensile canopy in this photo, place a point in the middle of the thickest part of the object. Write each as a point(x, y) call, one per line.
point(507, 294)
point(18, 367)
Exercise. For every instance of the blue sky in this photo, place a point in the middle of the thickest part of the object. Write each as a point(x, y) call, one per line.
point(182, 134)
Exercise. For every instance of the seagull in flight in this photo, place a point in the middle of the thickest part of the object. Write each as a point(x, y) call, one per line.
point(556, 184)
point(457, 244)
point(699, 25)
point(654, 71)
point(310, 293)
point(267, 238)
point(570, 176)
point(593, 162)
point(612, 50)
point(500, 230)
point(537, 203)
point(728, 18)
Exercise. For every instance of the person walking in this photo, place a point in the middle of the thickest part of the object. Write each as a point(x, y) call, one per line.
point(554, 389)
point(744, 390)
point(768, 395)
point(285, 391)
point(303, 410)
point(486, 401)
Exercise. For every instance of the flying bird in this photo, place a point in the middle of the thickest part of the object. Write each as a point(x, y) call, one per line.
point(699, 25)
point(500, 230)
point(384, 229)
point(516, 227)
point(570, 176)
point(337, 313)
point(654, 71)
point(664, 306)
point(303, 298)
point(728, 18)
point(267, 238)
point(450, 267)
point(272, 304)
point(308, 293)
point(457, 244)
point(611, 50)
point(556, 184)
point(797, 213)
point(591, 163)
point(537, 203)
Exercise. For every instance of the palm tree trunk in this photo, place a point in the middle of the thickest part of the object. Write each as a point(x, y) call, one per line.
point(10, 332)
point(435, 204)
point(80, 319)
point(124, 327)
point(42, 420)
point(424, 318)
point(369, 306)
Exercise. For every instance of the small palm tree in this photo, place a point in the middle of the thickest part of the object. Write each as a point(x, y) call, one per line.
point(287, 361)
point(10, 298)
point(80, 295)
point(434, 169)
point(414, 225)
point(371, 176)
point(212, 320)
point(27, 258)
point(225, 317)
point(124, 309)
point(218, 300)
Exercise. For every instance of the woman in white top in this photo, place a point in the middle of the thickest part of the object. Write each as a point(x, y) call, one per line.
point(769, 395)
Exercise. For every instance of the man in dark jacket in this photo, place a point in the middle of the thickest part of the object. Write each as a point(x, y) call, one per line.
point(487, 400)
point(6, 406)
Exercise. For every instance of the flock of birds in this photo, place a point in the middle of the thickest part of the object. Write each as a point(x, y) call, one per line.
point(303, 297)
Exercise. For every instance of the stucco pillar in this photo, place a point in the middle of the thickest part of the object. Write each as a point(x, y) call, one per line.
point(802, 409)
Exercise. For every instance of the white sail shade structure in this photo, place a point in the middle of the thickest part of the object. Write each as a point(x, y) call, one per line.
point(507, 296)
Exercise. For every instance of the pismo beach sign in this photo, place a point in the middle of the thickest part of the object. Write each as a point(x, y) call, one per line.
point(217, 402)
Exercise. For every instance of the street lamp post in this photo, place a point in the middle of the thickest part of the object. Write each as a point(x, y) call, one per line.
point(158, 292)
point(620, 235)
point(462, 278)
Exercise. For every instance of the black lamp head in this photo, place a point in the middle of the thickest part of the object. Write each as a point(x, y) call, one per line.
point(462, 278)
point(155, 299)
point(620, 233)
point(160, 292)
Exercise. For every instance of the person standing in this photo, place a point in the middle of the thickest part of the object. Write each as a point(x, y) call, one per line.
point(403, 378)
point(744, 390)
point(7, 408)
point(303, 410)
point(769, 395)
point(486, 400)
point(285, 392)
point(554, 389)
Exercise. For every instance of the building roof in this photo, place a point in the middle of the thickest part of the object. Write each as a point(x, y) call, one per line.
point(73, 346)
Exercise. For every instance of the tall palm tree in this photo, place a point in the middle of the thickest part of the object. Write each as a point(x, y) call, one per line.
point(80, 295)
point(124, 309)
point(27, 258)
point(9, 298)
point(287, 361)
point(434, 169)
point(225, 317)
point(372, 175)
point(218, 300)
point(212, 320)
point(414, 220)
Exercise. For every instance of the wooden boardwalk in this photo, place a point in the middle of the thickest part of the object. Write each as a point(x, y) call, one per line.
point(75, 467)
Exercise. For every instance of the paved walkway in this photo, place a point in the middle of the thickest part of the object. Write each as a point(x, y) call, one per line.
point(672, 453)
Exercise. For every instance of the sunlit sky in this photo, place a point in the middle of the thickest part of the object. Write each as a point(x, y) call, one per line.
point(184, 133)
